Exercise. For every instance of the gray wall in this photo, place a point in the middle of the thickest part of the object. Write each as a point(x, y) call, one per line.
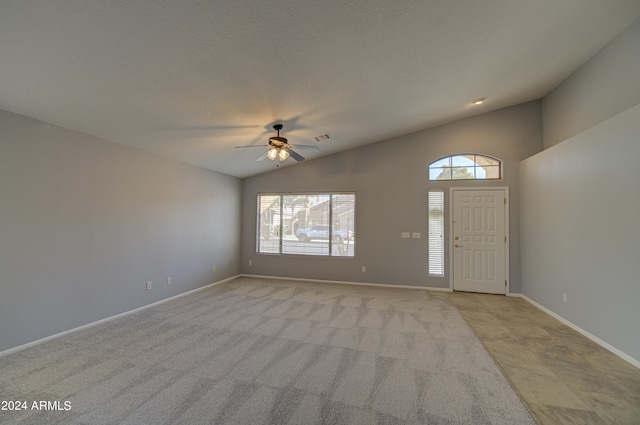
point(580, 232)
point(390, 179)
point(85, 223)
point(580, 198)
point(606, 85)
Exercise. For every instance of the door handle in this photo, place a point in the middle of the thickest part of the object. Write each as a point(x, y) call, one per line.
point(457, 246)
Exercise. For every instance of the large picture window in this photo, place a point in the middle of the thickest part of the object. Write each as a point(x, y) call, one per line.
point(307, 224)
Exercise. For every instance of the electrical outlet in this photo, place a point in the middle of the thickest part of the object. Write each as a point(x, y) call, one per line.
point(251, 262)
point(213, 269)
point(564, 298)
point(364, 269)
point(148, 285)
point(168, 281)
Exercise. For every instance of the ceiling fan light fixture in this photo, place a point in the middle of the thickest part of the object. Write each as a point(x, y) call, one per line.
point(272, 154)
point(279, 149)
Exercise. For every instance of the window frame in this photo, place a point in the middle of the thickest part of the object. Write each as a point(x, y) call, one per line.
point(475, 166)
point(334, 247)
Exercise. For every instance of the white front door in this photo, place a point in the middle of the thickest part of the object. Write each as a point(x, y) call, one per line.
point(479, 240)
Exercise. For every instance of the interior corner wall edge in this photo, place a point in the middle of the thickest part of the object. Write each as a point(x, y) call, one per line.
point(85, 223)
point(579, 230)
point(603, 87)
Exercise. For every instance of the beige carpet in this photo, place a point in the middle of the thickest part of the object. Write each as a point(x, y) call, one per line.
point(262, 351)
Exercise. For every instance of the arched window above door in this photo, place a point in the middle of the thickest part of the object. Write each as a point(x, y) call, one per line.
point(466, 166)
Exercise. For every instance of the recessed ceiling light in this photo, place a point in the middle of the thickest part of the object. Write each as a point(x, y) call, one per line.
point(479, 101)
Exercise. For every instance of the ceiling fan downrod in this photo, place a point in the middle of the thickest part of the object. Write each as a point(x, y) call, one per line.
point(278, 127)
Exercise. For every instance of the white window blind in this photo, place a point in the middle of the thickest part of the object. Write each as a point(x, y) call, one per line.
point(436, 232)
point(307, 224)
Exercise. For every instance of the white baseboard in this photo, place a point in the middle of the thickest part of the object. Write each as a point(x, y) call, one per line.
point(342, 282)
point(578, 329)
point(126, 313)
point(108, 319)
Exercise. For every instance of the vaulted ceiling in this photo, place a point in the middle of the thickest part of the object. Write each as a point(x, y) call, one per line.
point(193, 79)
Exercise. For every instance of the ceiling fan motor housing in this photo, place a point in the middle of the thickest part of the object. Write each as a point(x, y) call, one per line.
point(278, 141)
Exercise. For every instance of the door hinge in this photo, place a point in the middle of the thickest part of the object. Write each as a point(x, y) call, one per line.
point(505, 239)
point(505, 201)
point(505, 283)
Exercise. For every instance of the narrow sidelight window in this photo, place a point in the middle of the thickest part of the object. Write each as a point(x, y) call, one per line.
point(436, 232)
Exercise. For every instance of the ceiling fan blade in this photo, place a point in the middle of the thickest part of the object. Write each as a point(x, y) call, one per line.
point(263, 156)
point(293, 154)
point(306, 147)
point(251, 146)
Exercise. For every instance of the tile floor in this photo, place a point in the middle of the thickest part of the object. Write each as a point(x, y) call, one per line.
point(562, 376)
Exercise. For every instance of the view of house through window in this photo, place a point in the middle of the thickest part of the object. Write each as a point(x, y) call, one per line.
point(307, 224)
point(466, 166)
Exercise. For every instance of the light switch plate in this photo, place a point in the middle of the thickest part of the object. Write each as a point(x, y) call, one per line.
point(416, 235)
point(406, 235)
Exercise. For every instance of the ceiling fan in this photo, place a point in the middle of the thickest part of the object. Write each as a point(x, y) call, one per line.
point(280, 149)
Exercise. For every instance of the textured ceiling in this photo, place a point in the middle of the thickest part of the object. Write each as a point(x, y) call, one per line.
point(192, 79)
